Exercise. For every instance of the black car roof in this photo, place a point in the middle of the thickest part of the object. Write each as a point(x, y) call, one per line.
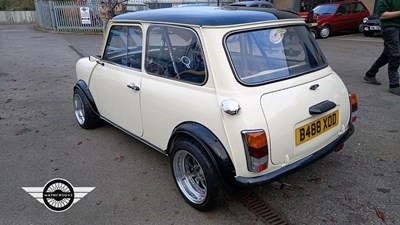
point(208, 16)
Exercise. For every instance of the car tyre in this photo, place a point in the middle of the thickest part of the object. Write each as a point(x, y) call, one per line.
point(84, 114)
point(368, 33)
point(324, 32)
point(195, 175)
point(360, 28)
point(314, 33)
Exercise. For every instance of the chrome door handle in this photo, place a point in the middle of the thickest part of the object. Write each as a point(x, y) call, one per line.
point(133, 87)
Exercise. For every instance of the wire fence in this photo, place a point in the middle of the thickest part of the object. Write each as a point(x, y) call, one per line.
point(68, 16)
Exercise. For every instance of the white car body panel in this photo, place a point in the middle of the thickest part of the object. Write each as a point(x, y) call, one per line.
point(296, 101)
point(191, 103)
point(114, 99)
point(251, 115)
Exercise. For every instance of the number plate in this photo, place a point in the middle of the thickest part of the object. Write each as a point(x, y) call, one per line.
point(375, 28)
point(316, 127)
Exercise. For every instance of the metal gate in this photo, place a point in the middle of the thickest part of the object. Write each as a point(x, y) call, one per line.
point(68, 15)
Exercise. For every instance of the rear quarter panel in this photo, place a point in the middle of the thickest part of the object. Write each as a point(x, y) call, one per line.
point(166, 103)
point(251, 116)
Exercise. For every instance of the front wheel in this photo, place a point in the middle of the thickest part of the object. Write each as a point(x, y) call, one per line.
point(195, 175)
point(324, 32)
point(360, 28)
point(83, 112)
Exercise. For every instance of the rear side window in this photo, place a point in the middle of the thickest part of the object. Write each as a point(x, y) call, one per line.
point(124, 46)
point(358, 7)
point(262, 56)
point(344, 9)
point(176, 53)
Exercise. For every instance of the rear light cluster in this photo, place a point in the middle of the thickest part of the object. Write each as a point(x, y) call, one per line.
point(256, 147)
point(354, 106)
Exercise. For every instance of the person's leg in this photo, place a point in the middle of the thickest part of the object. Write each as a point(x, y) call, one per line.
point(391, 37)
point(380, 62)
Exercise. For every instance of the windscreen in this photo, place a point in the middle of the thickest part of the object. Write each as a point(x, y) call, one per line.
point(267, 55)
point(325, 9)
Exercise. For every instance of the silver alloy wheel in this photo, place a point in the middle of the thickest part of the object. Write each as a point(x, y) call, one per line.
point(79, 109)
point(324, 32)
point(190, 177)
point(360, 27)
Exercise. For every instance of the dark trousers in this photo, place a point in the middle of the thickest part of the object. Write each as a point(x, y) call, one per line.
point(390, 54)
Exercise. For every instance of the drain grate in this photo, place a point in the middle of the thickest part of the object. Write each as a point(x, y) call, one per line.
point(260, 209)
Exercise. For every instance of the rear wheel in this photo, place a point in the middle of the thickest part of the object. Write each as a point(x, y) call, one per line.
point(83, 112)
point(324, 32)
point(195, 174)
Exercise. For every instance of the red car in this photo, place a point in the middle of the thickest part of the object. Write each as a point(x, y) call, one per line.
point(338, 16)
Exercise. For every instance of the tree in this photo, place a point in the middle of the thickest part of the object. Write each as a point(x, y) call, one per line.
point(116, 6)
point(4, 4)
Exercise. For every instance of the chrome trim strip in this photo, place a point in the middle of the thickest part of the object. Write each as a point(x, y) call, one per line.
point(164, 152)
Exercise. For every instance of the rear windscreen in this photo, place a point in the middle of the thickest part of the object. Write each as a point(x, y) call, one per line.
point(262, 56)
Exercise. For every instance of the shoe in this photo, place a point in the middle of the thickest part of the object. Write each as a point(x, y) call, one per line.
point(372, 80)
point(395, 90)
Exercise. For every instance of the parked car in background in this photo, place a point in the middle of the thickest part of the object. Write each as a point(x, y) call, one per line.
point(259, 4)
point(135, 6)
point(192, 5)
point(235, 96)
point(371, 25)
point(338, 16)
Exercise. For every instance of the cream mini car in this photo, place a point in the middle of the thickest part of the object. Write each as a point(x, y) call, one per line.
point(235, 97)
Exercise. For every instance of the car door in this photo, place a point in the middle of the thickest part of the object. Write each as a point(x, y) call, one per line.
point(116, 80)
point(341, 19)
point(358, 12)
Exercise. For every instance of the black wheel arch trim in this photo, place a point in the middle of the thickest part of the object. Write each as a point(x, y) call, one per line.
point(284, 171)
point(211, 144)
point(81, 85)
